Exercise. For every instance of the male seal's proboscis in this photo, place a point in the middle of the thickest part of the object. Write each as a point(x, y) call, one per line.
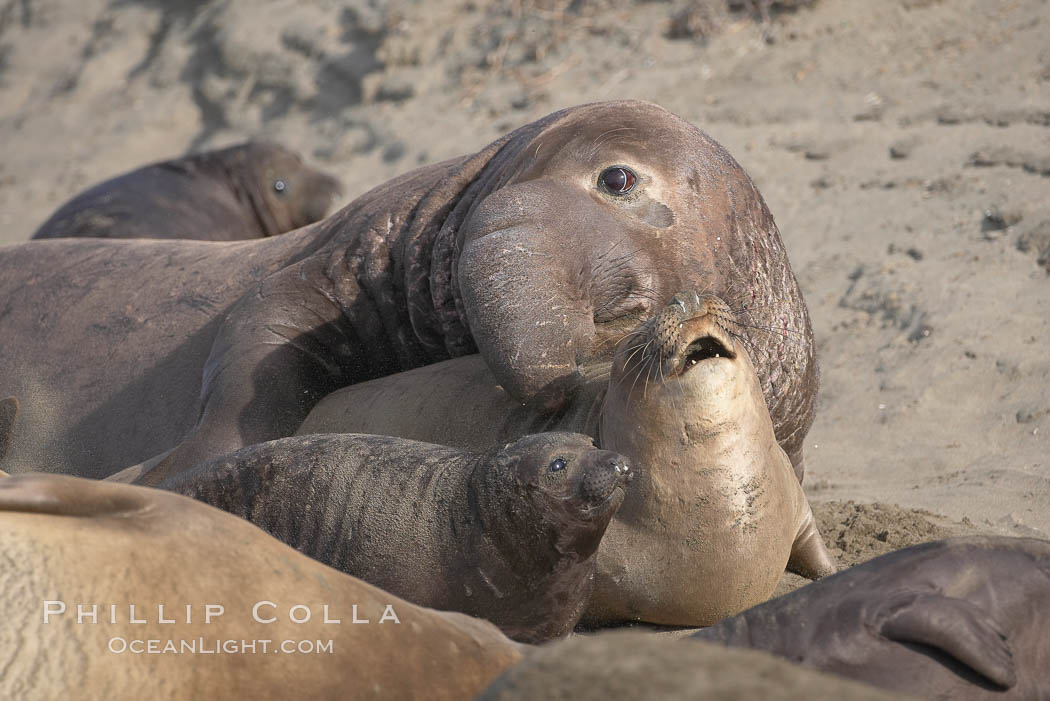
point(508, 535)
point(964, 618)
point(97, 544)
point(540, 252)
point(247, 191)
point(716, 513)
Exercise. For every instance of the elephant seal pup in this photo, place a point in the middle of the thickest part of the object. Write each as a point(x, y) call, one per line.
point(540, 252)
point(244, 616)
point(653, 666)
point(716, 514)
point(248, 191)
point(963, 618)
point(507, 535)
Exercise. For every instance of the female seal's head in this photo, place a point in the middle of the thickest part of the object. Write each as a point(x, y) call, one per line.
point(285, 193)
point(695, 337)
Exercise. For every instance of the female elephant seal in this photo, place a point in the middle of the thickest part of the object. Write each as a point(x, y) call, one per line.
point(507, 535)
point(716, 514)
point(540, 251)
point(221, 609)
point(248, 191)
point(964, 618)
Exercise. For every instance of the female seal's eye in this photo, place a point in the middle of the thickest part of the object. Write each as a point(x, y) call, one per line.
point(280, 186)
point(618, 180)
point(557, 465)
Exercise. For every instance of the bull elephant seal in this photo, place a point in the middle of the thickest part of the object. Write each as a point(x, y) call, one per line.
point(248, 191)
point(624, 666)
point(79, 554)
point(540, 252)
point(963, 618)
point(716, 514)
point(507, 535)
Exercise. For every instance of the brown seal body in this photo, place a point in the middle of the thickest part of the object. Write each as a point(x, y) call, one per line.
point(624, 666)
point(508, 535)
point(716, 514)
point(964, 618)
point(248, 191)
point(106, 547)
point(527, 252)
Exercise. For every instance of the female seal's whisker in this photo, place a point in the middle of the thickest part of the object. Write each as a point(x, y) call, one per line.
point(641, 361)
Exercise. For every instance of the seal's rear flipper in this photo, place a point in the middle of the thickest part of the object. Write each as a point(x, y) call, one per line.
point(809, 556)
point(8, 414)
point(956, 627)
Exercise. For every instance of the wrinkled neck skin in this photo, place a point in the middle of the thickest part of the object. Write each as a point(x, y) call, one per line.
point(711, 517)
point(387, 259)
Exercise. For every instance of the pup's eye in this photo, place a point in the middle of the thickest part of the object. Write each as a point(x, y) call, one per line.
point(557, 465)
point(280, 186)
point(618, 180)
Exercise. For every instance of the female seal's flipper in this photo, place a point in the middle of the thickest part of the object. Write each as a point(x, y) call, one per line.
point(809, 556)
point(955, 627)
point(8, 414)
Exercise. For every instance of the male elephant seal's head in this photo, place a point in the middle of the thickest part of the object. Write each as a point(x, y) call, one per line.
point(282, 190)
point(587, 221)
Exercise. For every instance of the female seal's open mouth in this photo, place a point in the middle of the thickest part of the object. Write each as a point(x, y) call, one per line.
point(705, 347)
point(702, 349)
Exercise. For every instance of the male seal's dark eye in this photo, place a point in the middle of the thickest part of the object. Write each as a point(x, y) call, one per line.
point(557, 465)
point(617, 180)
point(279, 186)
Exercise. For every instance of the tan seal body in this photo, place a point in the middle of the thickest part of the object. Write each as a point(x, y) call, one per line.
point(248, 191)
point(87, 543)
point(528, 252)
point(716, 513)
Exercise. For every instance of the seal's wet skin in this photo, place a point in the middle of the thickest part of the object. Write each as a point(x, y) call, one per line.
point(540, 252)
point(248, 191)
point(508, 535)
point(97, 544)
point(716, 512)
point(964, 618)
